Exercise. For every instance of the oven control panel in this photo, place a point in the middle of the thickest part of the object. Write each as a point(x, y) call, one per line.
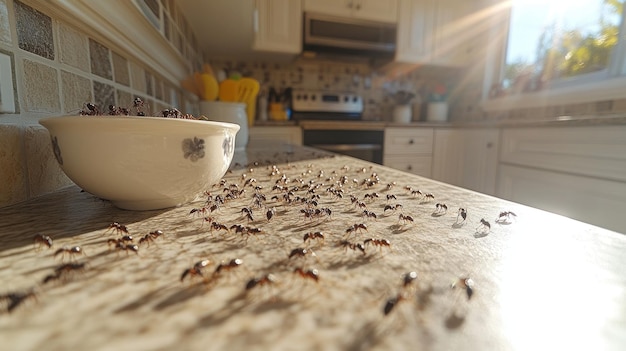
point(324, 101)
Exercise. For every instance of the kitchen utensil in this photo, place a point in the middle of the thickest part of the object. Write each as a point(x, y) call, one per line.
point(247, 91)
point(229, 90)
point(142, 163)
point(210, 87)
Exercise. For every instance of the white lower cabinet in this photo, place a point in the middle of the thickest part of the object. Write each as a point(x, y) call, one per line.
point(409, 150)
point(467, 158)
point(596, 201)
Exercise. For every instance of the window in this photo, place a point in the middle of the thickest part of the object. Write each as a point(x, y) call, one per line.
point(557, 43)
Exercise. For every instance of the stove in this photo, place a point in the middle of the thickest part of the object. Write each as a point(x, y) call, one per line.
point(333, 106)
point(324, 105)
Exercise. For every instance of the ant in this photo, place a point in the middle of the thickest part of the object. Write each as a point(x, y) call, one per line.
point(270, 213)
point(234, 263)
point(356, 227)
point(312, 274)
point(90, 109)
point(250, 231)
point(440, 209)
point(405, 218)
point(392, 302)
point(505, 217)
point(198, 211)
point(218, 226)
point(121, 241)
point(391, 197)
point(352, 246)
point(484, 227)
point(467, 284)
point(408, 279)
point(301, 252)
point(127, 247)
point(313, 235)
point(392, 207)
point(429, 197)
point(462, 214)
point(42, 240)
point(150, 237)
point(416, 193)
point(369, 214)
point(371, 196)
point(377, 242)
point(264, 280)
point(70, 251)
point(195, 270)
point(118, 228)
point(389, 187)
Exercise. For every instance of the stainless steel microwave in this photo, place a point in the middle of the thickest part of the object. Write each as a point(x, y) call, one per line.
point(325, 33)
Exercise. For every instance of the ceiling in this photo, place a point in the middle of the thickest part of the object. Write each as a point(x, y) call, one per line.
point(224, 28)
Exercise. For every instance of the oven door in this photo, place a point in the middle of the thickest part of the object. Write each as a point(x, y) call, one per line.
point(362, 144)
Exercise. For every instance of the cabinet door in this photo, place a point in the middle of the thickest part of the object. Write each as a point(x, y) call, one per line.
point(457, 32)
point(415, 30)
point(331, 7)
point(377, 10)
point(467, 158)
point(374, 10)
point(278, 26)
point(420, 165)
point(592, 200)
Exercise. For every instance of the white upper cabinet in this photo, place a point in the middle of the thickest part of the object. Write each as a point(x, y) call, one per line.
point(278, 26)
point(415, 30)
point(375, 10)
point(440, 32)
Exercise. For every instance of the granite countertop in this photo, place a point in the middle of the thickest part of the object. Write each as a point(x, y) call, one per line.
point(538, 280)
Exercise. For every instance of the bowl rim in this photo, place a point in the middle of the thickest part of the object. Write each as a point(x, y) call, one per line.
point(48, 121)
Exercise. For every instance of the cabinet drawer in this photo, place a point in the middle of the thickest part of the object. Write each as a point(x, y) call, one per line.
point(404, 141)
point(592, 151)
point(420, 165)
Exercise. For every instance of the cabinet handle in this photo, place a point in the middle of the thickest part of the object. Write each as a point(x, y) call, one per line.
point(411, 142)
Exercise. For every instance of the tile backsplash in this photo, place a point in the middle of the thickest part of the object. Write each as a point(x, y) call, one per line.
point(57, 68)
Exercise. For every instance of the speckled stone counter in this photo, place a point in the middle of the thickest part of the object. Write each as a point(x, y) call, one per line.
point(538, 281)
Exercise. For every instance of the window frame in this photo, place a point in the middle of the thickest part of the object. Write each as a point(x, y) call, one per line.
point(607, 84)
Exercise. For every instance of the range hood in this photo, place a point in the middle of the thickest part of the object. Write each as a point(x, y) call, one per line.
point(325, 35)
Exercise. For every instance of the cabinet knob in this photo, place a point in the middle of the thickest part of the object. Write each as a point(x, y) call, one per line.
point(350, 4)
point(409, 168)
point(411, 141)
point(358, 6)
point(489, 145)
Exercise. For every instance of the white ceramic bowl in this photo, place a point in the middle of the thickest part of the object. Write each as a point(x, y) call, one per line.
point(142, 163)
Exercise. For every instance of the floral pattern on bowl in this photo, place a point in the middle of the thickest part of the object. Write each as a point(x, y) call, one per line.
point(193, 149)
point(229, 146)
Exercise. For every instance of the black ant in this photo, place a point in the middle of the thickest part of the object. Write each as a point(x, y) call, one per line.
point(405, 218)
point(392, 302)
point(505, 217)
point(392, 207)
point(195, 270)
point(127, 247)
point(90, 109)
point(369, 214)
point(198, 211)
point(429, 197)
point(352, 246)
point(391, 197)
point(467, 284)
point(463, 214)
point(270, 213)
point(70, 251)
point(118, 228)
point(42, 240)
point(218, 226)
point(440, 209)
point(484, 227)
point(121, 241)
